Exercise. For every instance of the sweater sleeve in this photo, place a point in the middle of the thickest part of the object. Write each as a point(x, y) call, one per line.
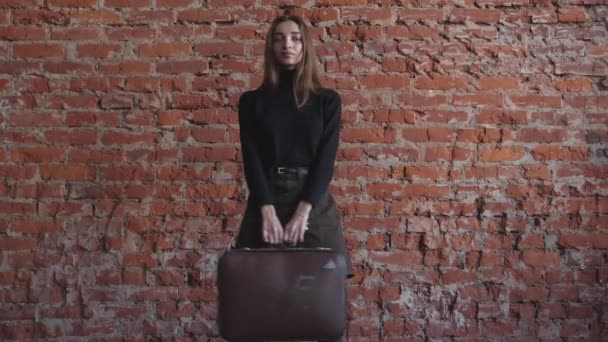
point(252, 162)
point(322, 170)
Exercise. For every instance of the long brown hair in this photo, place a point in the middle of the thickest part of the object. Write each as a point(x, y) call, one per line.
point(306, 74)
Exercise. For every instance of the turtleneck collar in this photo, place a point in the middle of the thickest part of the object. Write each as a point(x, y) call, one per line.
point(286, 76)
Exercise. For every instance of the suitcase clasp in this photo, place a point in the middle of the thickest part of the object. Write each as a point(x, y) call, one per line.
point(304, 282)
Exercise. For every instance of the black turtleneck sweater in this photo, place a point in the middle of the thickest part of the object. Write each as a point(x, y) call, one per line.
point(275, 133)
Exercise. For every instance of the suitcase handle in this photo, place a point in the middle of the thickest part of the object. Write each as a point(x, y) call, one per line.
point(285, 249)
point(285, 245)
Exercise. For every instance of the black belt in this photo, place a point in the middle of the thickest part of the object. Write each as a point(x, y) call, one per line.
point(280, 170)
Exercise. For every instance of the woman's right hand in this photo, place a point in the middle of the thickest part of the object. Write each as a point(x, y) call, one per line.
point(272, 231)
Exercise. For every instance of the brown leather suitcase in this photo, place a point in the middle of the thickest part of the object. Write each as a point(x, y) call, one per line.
point(281, 294)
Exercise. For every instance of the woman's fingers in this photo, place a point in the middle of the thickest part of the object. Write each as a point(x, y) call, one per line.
point(287, 232)
point(272, 232)
point(294, 231)
point(303, 232)
point(267, 233)
point(293, 238)
point(278, 232)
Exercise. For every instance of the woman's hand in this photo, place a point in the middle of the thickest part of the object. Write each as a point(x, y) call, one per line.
point(297, 226)
point(272, 231)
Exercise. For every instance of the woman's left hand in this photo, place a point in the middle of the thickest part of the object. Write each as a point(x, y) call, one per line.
point(297, 226)
point(295, 229)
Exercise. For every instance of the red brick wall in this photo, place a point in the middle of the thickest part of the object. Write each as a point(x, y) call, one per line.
point(471, 175)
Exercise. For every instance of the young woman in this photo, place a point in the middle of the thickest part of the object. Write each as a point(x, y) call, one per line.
point(289, 130)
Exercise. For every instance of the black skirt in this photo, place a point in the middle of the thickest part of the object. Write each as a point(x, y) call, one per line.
point(324, 225)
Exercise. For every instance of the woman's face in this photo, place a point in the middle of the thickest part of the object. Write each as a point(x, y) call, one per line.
point(287, 44)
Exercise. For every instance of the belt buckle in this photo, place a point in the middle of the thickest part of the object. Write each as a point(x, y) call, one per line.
point(281, 170)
